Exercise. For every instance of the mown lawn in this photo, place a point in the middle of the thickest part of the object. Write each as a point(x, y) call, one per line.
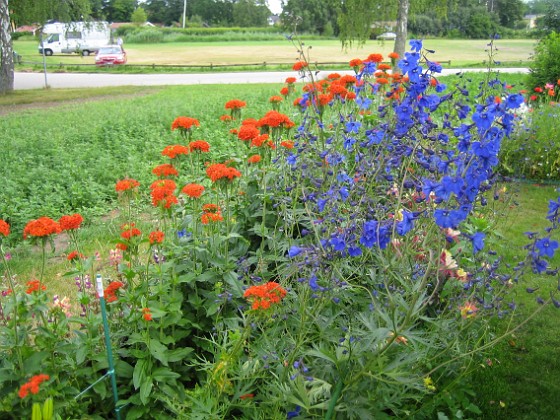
point(458, 52)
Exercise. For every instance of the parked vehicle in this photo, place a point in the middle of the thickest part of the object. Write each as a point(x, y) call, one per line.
point(388, 36)
point(74, 37)
point(110, 55)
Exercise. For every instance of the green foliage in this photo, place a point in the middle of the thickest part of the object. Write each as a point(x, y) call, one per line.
point(139, 16)
point(145, 35)
point(546, 62)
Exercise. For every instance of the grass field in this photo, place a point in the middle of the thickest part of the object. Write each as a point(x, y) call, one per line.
point(458, 52)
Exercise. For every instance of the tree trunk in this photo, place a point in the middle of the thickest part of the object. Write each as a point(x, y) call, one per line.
point(402, 21)
point(6, 50)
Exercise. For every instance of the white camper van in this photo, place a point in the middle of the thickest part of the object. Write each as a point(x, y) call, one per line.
point(74, 37)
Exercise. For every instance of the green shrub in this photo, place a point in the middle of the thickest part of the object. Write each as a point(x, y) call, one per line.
point(145, 36)
point(546, 62)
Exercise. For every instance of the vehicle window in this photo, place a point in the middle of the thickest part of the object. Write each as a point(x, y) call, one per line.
point(74, 35)
point(52, 38)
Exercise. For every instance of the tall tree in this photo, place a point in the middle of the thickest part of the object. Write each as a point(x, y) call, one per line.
point(7, 52)
point(31, 11)
point(311, 15)
point(250, 13)
point(366, 12)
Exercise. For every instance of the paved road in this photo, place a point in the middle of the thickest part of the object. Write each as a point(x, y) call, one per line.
point(79, 80)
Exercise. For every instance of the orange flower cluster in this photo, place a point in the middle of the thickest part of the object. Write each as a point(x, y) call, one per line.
point(4, 228)
point(110, 292)
point(275, 99)
point(74, 255)
point(175, 150)
point(200, 145)
point(248, 132)
point(225, 118)
point(393, 55)
point(32, 385)
point(70, 222)
point(129, 231)
point(263, 295)
point(285, 91)
point(254, 159)
point(211, 213)
point(193, 190)
point(288, 144)
point(34, 286)
point(126, 184)
point(290, 80)
point(374, 58)
point(165, 170)
point(156, 237)
point(220, 171)
point(163, 193)
point(147, 314)
point(41, 227)
point(300, 65)
point(260, 140)
point(184, 123)
point(275, 119)
point(235, 104)
point(356, 63)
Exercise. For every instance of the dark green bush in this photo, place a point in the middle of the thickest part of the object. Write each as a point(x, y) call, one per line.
point(546, 62)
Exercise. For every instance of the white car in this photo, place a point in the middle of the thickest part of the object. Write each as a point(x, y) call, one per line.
point(388, 36)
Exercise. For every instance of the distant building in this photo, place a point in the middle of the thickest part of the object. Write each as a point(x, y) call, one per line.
point(531, 20)
point(28, 28)
point(274, 20)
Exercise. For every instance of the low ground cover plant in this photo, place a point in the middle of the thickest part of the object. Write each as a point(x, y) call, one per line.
point(337, 262)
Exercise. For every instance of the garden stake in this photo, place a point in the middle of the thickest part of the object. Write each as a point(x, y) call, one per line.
point(111, 371)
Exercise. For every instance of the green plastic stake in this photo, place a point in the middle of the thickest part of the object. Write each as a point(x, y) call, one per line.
point(111, 372)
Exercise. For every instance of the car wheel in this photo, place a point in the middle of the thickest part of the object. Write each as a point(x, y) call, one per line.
point(85, 53)
point(48, 52)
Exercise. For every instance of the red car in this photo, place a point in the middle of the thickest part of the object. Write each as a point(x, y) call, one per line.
point(110, 55)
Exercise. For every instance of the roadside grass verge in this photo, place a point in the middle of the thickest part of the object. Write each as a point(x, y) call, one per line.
point(42, 96)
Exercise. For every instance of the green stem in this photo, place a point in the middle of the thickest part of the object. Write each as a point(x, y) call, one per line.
point(16, 307)
point(334, 399)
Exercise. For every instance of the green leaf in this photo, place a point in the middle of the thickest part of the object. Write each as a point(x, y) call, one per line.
point(34, 362)
point(163, 374)
point(158, 350)
point(178, 354)
point(81, 354)
point(231, 278)
point(146, 390)
point(140, 372)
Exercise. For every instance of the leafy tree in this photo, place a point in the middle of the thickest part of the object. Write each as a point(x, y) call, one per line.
point(213, 12)
point(120, 10)
point(248, 13)
point(551, 19)
point(139, 16)
point(311, 16)
point(509, 12)
point(28, 11)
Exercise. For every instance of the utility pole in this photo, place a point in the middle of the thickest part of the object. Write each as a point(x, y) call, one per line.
point(184, 13)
